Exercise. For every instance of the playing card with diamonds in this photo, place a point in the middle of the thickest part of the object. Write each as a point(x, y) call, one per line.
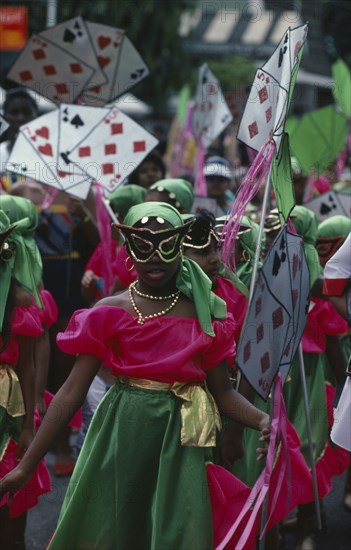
point(119, 60)
point(113, 149)
point(277, 314)
point(73, 37)
point(211, 113)
point(50, 71)
point(264, 113)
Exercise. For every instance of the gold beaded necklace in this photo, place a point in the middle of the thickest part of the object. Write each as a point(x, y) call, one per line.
point(142, 318)
point(149, 297)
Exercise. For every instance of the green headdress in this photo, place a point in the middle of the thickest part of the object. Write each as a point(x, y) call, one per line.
point(125, 197)
point(181, 191)
point(21, 259)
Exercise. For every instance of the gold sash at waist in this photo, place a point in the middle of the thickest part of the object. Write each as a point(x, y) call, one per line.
point(11, 397)
point(200, 418)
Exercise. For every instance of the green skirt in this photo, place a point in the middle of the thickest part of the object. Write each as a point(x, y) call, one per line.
point(134, 487)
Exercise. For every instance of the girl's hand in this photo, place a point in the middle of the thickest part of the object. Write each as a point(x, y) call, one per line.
point(41, 405)
point(265, 431)
point(13, 482)
point(25, 439)
point(89, 278)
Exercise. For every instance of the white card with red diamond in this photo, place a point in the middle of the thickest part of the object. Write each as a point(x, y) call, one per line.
point(113, 149)
point(264, 115)
point(277, 314)
point(211, 113)
point(50, 71)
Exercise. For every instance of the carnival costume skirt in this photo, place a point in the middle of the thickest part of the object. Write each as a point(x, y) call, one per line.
point(134, 486)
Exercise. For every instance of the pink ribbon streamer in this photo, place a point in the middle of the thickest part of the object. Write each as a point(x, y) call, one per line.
point(49, 198)
point(262, 485)
point(250, 185)
point(104, 227)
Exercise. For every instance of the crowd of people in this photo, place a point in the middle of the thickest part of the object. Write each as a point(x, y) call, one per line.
point(169, 437)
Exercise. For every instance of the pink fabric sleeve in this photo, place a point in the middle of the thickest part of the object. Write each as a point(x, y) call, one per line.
point(329, 320)
point(89, 331)
point(48, 315)
point(26, 321)
point(222, 347)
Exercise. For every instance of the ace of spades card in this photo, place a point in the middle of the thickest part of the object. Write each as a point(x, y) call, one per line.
point(120, 61)
point(211, 113)
point(75, 122)
point(50, 71)
point(327, 205)
point(112, 149)
point(73, 37)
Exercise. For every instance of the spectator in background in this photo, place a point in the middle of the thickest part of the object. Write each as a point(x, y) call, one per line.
point(19, 108)
point(150, 170)
point(218, 174)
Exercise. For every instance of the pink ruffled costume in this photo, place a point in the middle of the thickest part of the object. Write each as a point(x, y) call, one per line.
point(26, 322)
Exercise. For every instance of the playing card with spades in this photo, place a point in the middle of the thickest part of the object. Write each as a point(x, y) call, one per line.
point(50, 71)
point(73, 37)
point(75, 122)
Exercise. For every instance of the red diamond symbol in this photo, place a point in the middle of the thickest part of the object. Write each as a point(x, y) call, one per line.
point(253, 129)
point(49, 70)
point(76, 68)
point(268, 114)
point(39, 54)
point(139, 146)
point(25, 75)
point(247, 352)
point(84, 151)
point(107, 168)
point(265, 363)
point(263, 94)
point(295, 295)
point(110, 149)
point(259, 333)
point(258, 306)
point(61, 88)
point(277, 317)
point(116, 128)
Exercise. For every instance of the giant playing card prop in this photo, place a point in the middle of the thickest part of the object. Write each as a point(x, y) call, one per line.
point(77, 58)
point(211, 113)
point(70, 147)
point(265, 113)
point(277, 314)
point(262, 123)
